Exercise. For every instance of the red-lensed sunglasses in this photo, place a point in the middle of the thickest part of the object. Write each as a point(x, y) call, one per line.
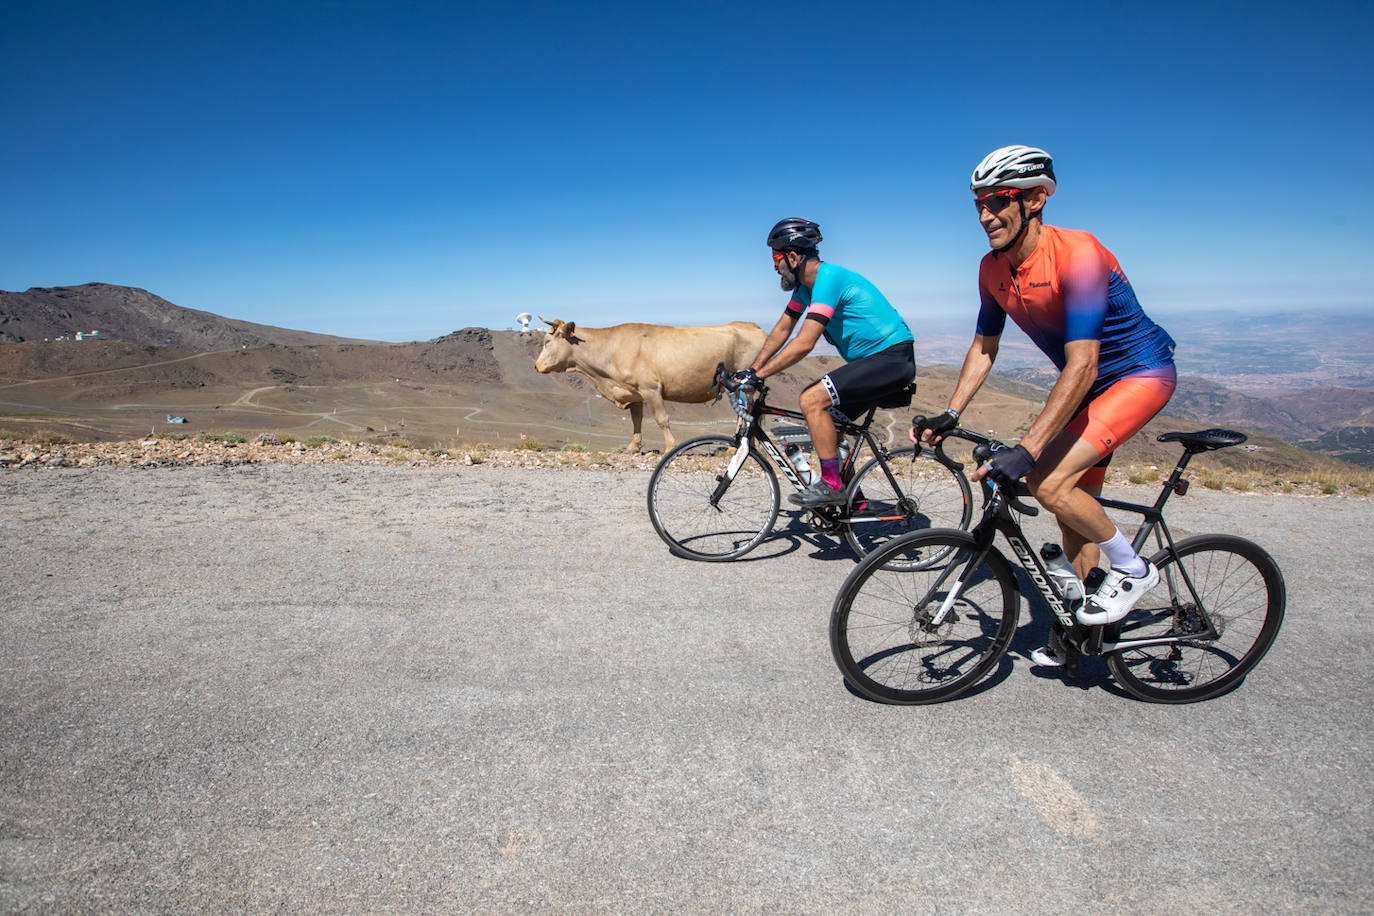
point(997, 201)
point(779, 255)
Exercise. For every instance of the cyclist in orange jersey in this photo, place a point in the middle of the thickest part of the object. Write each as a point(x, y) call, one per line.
point(1116, 368)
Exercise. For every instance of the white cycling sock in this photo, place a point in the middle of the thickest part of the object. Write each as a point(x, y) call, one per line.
point(1122, 555)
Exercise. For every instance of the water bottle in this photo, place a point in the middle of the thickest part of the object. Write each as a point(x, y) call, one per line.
point(1063, 574)
point(800, 462)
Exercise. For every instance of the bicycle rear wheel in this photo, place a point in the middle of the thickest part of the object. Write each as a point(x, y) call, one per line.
point(930, 495)
point(891, 634)
point(703, 515)
point(1237, 588)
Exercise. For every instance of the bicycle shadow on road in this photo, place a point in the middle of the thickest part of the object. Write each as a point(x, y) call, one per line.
point(798, 535)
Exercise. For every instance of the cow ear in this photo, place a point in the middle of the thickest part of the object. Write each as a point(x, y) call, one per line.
point(570, 327)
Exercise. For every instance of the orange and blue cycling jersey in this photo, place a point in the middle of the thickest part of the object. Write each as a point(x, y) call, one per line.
point(1072, 288)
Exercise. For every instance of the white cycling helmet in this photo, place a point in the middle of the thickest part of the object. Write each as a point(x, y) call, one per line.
point(1014, 167)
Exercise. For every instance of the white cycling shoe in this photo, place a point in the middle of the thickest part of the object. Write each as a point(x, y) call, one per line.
point(1047, 657)
point(1116, 596)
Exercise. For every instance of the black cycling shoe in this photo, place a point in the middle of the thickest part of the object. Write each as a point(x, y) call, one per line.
point(819, 493)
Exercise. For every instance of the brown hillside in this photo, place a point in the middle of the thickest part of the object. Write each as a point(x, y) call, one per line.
point(471, 386)
point(135, 316)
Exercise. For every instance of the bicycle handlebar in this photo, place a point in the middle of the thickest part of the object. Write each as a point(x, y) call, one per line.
point(739, 395)
point(983, 447)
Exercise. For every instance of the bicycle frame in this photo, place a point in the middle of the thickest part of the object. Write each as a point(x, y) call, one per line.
point(751, 430)
point(997, 517)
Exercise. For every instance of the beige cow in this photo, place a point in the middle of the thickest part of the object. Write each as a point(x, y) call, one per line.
point(637, 364)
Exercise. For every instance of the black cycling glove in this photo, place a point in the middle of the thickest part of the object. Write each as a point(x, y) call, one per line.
point(1009, 465)
point(743, 378)
point(938, 424)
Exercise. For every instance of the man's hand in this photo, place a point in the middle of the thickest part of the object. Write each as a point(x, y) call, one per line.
point(930, 430)
point(745, 379)
point(1007, 466)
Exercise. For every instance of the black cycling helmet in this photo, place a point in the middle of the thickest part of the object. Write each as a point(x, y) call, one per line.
point(794, 234)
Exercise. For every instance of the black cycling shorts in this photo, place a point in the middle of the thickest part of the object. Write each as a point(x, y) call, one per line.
point(854, 387)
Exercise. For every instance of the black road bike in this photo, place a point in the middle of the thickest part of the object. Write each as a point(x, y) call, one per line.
point(717, 497)
point(926, 616)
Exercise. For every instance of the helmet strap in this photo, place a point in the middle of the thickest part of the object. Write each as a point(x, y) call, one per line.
point(1025, 224)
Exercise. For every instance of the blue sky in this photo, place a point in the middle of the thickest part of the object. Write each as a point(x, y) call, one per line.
point(400, 170)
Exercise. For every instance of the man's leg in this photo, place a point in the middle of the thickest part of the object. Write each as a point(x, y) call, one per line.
point(1054, 483)
point(1104, 423)
point(1059, 470)
point(815, 405)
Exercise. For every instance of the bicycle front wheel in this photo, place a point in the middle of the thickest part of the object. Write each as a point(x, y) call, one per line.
point(906, 629)
point(929, 494)
point(1219, 620)
point(700, 512)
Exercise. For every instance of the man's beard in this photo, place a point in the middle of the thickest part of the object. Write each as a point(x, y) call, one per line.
point(787, 277)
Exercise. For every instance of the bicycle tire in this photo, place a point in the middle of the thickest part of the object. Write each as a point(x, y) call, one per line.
point(932, 495)
point(681, 505)
point(1243, 595)
point(881, 631)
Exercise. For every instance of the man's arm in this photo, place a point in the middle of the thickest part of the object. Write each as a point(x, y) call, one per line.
point(1080, 371)
point(794, 352)
point(776, 338)
point(982, 353)
point(1086, 279)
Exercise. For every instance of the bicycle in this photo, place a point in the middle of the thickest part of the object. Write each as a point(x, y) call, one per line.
point(716, 497)
point(931, 631)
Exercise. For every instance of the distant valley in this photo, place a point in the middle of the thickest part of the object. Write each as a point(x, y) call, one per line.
point(1302, 383)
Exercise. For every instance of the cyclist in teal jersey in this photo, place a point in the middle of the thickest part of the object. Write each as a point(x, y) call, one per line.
point(869, 334)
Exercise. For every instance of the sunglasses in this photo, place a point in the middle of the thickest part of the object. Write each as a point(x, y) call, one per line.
point(779, 255)
point(997, 201)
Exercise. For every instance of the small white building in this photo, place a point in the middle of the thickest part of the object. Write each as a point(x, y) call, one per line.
point(87, 335)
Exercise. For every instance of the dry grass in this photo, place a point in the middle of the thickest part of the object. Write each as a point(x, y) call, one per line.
point(1317, 481)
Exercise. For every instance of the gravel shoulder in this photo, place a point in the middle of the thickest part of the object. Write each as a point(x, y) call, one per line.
point(347, 686)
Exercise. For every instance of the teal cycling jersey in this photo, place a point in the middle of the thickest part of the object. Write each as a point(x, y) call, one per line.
point(858, 319)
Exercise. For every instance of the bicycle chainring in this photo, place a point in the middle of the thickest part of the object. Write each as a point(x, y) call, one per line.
point(825, 520)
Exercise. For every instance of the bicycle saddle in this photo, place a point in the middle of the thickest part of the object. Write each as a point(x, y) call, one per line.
point(897, 398)
point(1205, 440)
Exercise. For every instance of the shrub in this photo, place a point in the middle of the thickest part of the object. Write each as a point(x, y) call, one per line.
point(529, 445)
point(573, 447)
point(398, 443)
point(317, 441)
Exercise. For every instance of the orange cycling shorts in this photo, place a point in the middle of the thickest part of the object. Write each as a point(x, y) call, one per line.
point(1118, 413)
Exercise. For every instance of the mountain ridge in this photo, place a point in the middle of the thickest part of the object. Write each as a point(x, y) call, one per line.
point(222, 374)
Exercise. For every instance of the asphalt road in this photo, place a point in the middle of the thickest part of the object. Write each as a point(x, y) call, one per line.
point(352, 689)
